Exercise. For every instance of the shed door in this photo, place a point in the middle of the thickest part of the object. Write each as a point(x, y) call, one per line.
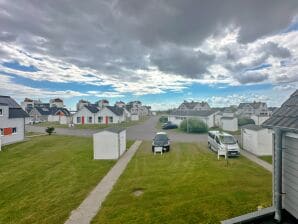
point(107, 120)
point(83, 120)
point(290, 175)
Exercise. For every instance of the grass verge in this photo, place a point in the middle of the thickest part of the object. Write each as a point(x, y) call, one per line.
point(268, 159)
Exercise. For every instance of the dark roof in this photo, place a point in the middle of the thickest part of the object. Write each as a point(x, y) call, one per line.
point(255, 105)
point(192, 104)
point(15, 111)
point(201, 113)
point(92, 108)
point(114, 129)
point(128, 107)
point(116, 110)
point(286, 116)
point(51, 111)
point(253, 127)
point(227, 118)
point(11, 103)
point(57, 100)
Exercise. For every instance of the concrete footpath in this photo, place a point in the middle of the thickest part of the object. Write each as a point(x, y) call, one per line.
point(257, 160)
point(92, 204)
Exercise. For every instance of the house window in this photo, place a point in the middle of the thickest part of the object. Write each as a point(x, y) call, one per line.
point(110, 119)
point(99, 119)
point(1, 112)
point(78, 120)
point(90, 119)
point(1, 131)
point(14, 130)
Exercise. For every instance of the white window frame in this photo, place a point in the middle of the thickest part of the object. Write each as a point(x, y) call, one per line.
point(1, 112)
point(111, 119)
point(1, 131)
point(90, 120)
point(100, 119)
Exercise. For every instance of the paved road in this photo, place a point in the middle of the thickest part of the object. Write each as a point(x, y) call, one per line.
point(143, 131)
point(147, 131)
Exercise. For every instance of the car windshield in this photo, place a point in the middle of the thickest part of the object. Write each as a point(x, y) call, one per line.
point(227, 139)
point(161, 137)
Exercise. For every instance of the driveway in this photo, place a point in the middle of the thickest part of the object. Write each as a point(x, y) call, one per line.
point(143, 131)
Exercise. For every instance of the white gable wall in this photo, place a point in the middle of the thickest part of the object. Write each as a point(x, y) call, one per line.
point(84, 112)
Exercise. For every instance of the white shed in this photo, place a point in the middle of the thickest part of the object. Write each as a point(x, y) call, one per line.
point(135, 117)
point(259, 119)
point(229, 123)
point(256, 139)
point(109, 143)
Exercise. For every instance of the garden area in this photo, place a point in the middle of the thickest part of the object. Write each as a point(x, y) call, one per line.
point(42, 180)
point(187, 185)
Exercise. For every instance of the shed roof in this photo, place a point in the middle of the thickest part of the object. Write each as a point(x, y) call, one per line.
point(228, 118)
point(286, 116)
point(115, 129)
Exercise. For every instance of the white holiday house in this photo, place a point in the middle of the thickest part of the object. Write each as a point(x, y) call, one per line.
point(207, 116)
point(12, 121)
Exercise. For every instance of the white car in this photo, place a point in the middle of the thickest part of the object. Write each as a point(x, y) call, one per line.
point(223, 143)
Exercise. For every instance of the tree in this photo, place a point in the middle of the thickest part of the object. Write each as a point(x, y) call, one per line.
point(245, 121)
point(163, 119)
point(193, 125)
point(50, 130)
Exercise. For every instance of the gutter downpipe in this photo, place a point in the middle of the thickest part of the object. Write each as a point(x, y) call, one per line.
point(278, 174)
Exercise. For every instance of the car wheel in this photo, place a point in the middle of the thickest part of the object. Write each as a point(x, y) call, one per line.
point(152, 148)
point(209, 146)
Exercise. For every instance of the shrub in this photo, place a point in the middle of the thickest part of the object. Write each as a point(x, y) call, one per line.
point(193, 125)
point(244, 121)
point(50, 130)
point(163, 119)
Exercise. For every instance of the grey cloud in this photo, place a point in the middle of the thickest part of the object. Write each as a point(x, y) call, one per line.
point(251, 77)
point(115, 36)
point(275, 50)
point(182, 61)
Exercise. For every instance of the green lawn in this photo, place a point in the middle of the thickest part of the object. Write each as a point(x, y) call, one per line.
point(186, 185)
point(129, 143)
point(44, 179)
point(266, 158)
point(92, 126)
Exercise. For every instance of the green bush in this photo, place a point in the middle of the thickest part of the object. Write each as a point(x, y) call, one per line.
point(193, 125)
point(50, 130)
point(163, 119)
point(245, 121)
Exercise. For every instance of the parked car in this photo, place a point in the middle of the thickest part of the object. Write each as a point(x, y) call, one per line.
point(222, 142)
point(169, 125)
point(161, 141)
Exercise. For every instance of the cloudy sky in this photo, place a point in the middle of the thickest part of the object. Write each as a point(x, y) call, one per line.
point(157, 51)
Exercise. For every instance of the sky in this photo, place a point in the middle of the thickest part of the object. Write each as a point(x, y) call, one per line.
point(158, 51)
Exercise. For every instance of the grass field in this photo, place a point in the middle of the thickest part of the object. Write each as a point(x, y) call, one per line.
point(186, 185)
point(266, 158)
point(42, 180)
point(91, 126)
